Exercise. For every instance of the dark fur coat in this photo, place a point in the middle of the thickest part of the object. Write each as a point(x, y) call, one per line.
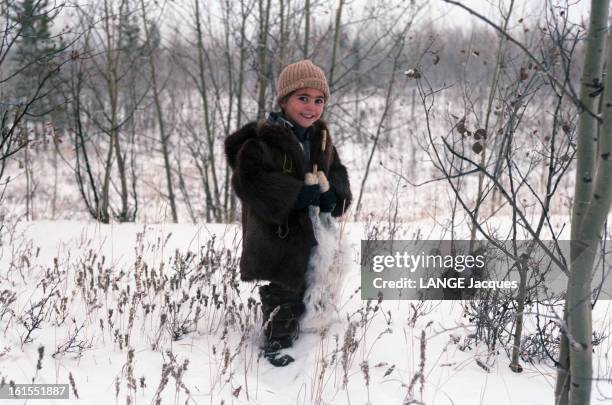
point(268, 167)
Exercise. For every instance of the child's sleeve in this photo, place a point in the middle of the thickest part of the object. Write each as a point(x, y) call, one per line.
point(339, 184)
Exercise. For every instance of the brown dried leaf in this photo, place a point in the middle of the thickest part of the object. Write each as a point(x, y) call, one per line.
point(389, 370)
point(461, 128)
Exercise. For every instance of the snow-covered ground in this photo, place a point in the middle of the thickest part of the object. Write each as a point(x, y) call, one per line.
point(136, 313)
point(133, 313)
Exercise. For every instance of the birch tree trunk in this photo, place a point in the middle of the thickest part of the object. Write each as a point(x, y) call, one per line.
point(228, 123)
point(283, 36)
point(592, 198)
point(306, 28)
point(263, 65)
point(330, 79)
point(111, 88)
point(113, 39)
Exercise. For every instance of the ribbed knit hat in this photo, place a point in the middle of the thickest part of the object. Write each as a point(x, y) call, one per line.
point(299, 75)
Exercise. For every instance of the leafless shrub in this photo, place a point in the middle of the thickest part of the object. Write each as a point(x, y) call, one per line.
point(33, 318)
point(75, 343)
point(175, 370)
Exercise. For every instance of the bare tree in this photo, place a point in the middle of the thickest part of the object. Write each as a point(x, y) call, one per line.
point(110, 57)
point(164, 134)
point(383, 117)
point(306, 29)
point(263, 67)
point(592, 199)
point(206, 160)
point(337, 29)
point(492, 92)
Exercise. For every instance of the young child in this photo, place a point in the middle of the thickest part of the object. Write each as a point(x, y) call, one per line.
point(269, 161)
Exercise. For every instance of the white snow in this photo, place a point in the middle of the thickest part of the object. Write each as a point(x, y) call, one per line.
point(371, 354)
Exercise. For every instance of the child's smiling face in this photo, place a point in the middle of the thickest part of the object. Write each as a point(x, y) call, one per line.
point(304, 106)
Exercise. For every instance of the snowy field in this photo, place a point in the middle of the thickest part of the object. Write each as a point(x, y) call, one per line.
point(136, 313)
point(152, 312)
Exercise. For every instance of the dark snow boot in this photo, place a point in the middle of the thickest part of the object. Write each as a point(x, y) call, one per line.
point(271, 351)
point(281, 310)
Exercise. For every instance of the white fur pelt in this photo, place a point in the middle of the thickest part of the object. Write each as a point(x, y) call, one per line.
point(324, 276)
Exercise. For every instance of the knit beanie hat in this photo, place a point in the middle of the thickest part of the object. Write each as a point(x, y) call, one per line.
point(299, 75)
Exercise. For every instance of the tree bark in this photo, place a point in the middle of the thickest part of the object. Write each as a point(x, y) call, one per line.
point(332, 67)
point(306, 28)
point(592, 199)
point(263, 65)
